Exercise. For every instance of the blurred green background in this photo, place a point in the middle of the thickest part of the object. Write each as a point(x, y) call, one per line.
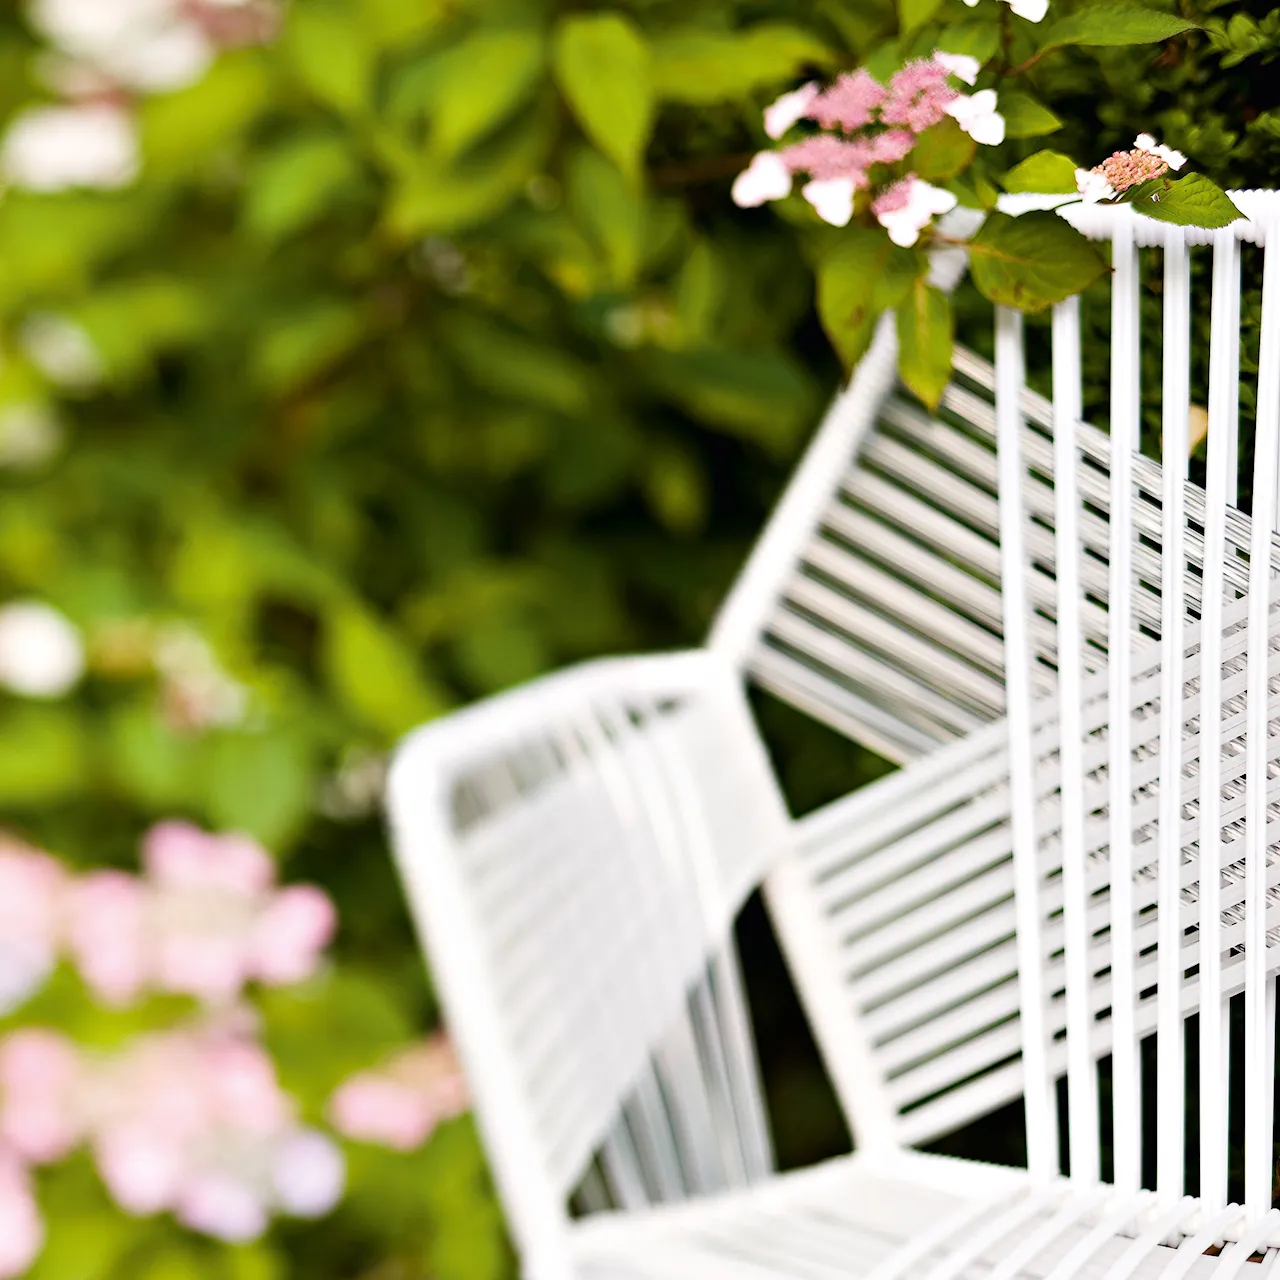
point(427, 353)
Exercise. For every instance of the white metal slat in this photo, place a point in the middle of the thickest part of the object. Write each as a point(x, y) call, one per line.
point(1260, 989)
point(1219, 488)
point(1042, 1158)
point(1176, 395)
point(1125, 419)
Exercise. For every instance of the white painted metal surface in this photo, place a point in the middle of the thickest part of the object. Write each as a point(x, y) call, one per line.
point(1067, 644)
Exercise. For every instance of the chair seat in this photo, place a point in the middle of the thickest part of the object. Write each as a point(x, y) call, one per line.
point(909, 1216)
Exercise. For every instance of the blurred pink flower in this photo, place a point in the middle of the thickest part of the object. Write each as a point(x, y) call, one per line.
point(39, 1080)
point(106, 934)
point(31, 892)
point(309, 1174)
point(194, 1122)
point(289, 935)
point(178, 855)
point(825, 157)
point(918, 95)
point(21, 1229)
point(223, 1206)
point(206, 920)
point(849, 103)
point(400, 1104)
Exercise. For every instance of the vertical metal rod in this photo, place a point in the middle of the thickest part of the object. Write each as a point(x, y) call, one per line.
point(1125, 422)
point(1042, 1130)
point(1224, 387)
point(1175, 413)
point(1259, 991)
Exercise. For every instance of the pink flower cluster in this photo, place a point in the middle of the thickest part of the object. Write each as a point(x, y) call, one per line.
point(399, 1104)
point(190, 1121)
point(1124, 170)
point(868, 125)
point(205, 920)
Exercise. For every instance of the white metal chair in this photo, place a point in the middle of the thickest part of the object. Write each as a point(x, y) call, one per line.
point(956, 931)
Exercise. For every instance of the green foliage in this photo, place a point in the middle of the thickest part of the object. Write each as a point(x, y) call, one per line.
point(1032, 261)
point(1046, 171)
point(1113, 22)
point(1192, 201)
point(924, 341)
point(603, 66)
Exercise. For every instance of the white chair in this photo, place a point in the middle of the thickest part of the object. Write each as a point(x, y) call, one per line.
point(575, 851)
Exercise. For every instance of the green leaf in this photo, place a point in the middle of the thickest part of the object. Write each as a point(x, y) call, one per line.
point(915, 13)
point(602, 65)
point(1046, 172)
point(925, 334)
point(1193, 201)
point(432, 197)
point(481, 82)
point(979, 38)
point(294, 185)
point(864, 275)
point(374, 673)
point(609, 210)
point(43, 756)
point(1024, 117)
point(180, 130)
point(701, 67)
point(508, 362)
point(260, 783)
point(298, 348)
point(1115, 22)
point(762, 396)
point(331, 54)
point(1032, 261)
point(942, 151)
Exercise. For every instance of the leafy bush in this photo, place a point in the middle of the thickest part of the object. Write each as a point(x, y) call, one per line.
point(417, 349)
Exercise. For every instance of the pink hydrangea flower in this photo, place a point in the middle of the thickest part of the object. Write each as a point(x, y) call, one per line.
point(40, 1078)
point(891, 146)
point(31, 894)
point(907, 207)
point(1121, 172)
point(107, 934)
point(848, 104)
point(21, 1228)
point(789, 109)
point(399, 1104)
point(824, 157)
point(918, 96)
point(194, 1122)
point(1145, 142)
point(205, 921)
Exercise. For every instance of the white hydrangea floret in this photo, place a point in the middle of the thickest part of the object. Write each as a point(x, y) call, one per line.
point(1031, 10)
point(978, 117)
point(765, 178)
point(832, 198)
point(923, 203)
point(960, 65)
point(788, 109)
point(1094, 186)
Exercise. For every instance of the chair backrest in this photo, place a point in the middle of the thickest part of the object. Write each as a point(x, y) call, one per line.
point(881, 602)
point(1184, 921)
point(574, 853)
